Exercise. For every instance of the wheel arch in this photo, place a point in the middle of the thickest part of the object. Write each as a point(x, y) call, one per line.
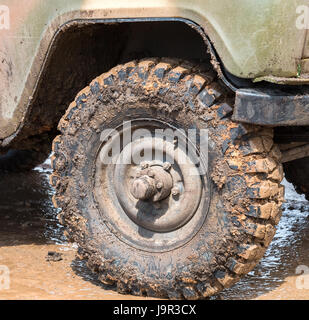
point(104, 43)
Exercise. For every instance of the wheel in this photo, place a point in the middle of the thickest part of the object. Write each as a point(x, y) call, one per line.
point(163, 193)
point(297, 172)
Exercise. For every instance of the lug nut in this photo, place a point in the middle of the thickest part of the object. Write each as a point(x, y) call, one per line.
point(175, 191)
point(159, 185)
point(166, 166)
point(144, 165)
point(138, 174)
point(150, 173)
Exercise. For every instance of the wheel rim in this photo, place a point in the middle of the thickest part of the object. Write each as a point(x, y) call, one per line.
point(158, 203)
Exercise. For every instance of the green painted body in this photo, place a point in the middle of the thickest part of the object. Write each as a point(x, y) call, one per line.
point(253, 38)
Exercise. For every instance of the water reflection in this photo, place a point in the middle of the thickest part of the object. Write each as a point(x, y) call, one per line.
point(27, 214)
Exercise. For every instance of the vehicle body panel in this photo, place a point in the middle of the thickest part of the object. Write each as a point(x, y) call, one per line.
point(252, 38)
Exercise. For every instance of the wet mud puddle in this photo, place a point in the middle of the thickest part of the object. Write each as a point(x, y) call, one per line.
point(43, 265)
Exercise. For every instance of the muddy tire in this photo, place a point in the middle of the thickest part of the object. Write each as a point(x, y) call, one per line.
point(297, 173)
point(235, 204)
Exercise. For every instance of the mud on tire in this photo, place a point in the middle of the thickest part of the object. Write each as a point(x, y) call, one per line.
point(244, 174)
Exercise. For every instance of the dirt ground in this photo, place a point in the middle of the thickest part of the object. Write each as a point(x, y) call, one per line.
point(30, 234)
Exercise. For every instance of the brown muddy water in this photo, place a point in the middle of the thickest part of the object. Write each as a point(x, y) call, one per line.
point(29, 230)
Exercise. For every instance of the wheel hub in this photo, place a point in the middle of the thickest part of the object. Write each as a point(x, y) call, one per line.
point(157, 202)
point(152, 182)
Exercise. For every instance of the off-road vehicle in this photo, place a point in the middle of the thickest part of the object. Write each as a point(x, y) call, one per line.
point(213, 97)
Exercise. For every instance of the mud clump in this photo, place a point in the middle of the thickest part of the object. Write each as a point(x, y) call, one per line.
point(53, 256)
